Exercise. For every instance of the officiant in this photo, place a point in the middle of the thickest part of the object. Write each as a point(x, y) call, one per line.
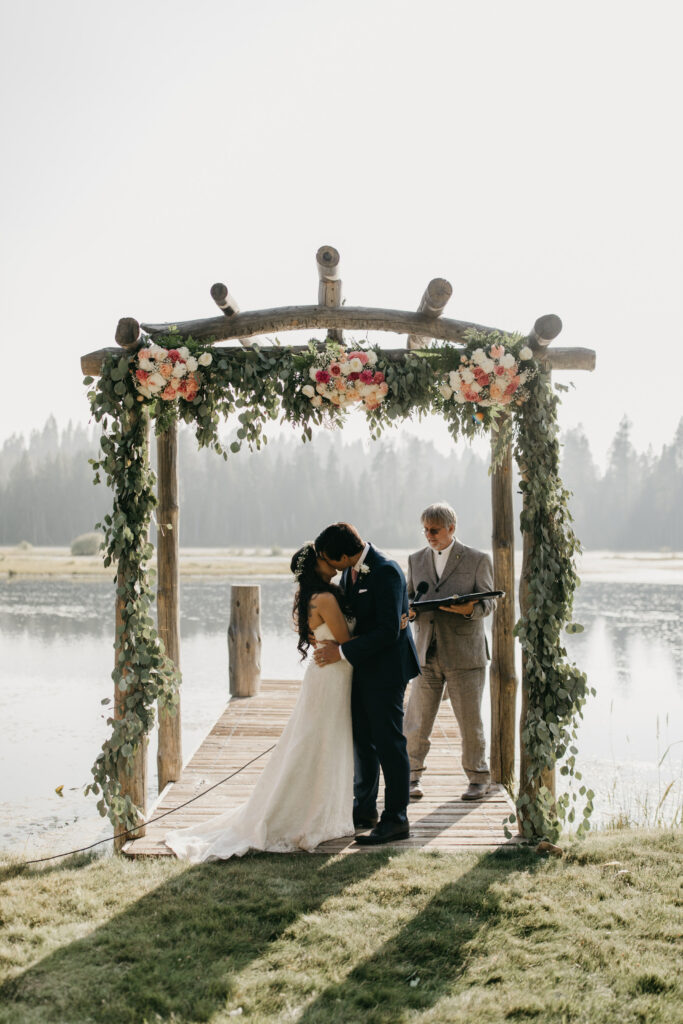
point(451, 645)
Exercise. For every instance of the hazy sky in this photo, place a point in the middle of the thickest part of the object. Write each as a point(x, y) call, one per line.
point(527, 152)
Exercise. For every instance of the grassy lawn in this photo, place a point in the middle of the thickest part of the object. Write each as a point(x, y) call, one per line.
point(387, 937)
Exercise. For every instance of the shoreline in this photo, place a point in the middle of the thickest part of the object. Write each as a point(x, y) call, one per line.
point(17, 563)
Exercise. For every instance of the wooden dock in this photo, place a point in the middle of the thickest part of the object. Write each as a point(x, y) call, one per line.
point(247, 727)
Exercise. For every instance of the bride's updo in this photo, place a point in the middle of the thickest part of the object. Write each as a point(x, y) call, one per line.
point(304, 565)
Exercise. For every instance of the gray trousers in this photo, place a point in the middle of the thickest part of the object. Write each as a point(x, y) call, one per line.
point(465, 691)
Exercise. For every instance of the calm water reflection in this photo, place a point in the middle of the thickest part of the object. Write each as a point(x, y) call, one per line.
point(56, 658)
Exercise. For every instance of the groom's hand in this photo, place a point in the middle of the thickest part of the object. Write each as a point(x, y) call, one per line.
point(327, 652)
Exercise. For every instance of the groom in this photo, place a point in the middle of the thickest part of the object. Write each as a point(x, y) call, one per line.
point(384, 658)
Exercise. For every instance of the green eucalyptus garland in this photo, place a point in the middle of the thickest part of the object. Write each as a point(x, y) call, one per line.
point(261, 384)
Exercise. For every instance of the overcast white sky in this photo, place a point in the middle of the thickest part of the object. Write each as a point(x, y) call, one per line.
point(528, 152)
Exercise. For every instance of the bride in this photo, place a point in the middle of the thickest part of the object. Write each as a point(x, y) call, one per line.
point(304, 795)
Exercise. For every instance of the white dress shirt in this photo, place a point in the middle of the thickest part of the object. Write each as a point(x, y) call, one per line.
point(440, 559)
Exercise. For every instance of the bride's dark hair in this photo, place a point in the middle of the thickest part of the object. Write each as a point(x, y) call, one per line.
point(304, 566)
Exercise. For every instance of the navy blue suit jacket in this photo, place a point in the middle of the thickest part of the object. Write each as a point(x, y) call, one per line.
point(381, 653)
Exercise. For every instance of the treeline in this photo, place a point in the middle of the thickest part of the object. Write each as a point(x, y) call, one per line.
point(288, 491)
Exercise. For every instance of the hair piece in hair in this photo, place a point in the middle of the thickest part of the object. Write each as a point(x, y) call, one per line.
point(304, 565)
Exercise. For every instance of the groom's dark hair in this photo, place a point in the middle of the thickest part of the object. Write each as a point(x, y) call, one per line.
point(338, 540)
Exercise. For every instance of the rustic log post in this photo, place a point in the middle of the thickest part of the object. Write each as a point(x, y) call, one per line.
point(244, 640)
point(547, 777)
point(228, 304)
point(432, 304)
point(127, 333)
point(329, 284)
point(545, 330)
point(503, 676)
point(169, 751)
point(133, 783)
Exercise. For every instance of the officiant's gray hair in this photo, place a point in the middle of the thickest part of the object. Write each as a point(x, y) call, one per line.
point(440, 512)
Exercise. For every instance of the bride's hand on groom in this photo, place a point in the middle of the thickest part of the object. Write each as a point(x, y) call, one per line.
point(326, 652)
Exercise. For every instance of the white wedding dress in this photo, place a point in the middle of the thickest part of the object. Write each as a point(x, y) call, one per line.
point(304, 795)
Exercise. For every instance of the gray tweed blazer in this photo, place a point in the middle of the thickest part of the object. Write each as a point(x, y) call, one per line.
point(460, 642)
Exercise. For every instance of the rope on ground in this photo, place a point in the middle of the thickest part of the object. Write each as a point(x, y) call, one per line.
point(142, 824)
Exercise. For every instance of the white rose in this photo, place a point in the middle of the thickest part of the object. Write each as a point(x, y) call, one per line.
point(321, 389)
point(445, 391)
point(316, 400)
point(144, 391)
point(478, 355)
point(157, 352)
point(146, 364)
point(525, 353)
point(453, 379)
point(155, 380)
point(312, 372)
point(467, 376)
point(507, 360)
point(184, 353)
point(476, 388)
point(458, 397)
point(205, 359)
point(487, 365)
point(308, 390)
point(191, 364)
point(345, 368)
point(180, 369)
point(372, 357)
point(355, 366)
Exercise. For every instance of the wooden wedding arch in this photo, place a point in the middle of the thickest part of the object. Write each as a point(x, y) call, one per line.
point(421, 327)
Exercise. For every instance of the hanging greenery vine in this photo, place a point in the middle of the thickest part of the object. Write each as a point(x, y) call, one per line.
point(177, 379)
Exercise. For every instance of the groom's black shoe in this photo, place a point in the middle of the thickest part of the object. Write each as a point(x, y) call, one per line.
point(385, 832)
point(364, 821)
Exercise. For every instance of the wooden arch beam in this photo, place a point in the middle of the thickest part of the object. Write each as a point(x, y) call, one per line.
point(295, 318)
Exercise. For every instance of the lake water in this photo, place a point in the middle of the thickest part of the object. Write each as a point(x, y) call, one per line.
point(56, 658)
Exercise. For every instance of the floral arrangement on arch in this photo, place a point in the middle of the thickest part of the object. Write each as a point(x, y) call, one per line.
point(342, 377)
point(168, 373)
point(490, 377)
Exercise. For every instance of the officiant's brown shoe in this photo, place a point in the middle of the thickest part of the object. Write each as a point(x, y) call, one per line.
point(385, 832)
point(475, 791)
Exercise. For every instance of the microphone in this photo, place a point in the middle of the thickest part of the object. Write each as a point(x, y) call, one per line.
point(420, 589)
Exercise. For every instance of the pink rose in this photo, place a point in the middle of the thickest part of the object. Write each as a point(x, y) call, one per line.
point(366, 376)
point(144, 353)
point(166, 370)
point(169, 393)
point(142, 375)
point(322, 376)
point(512, 386)
point(335, 369)
point(384, 388)
point(174, 355)
point(362, 356)
point(379, 377)
point(354, 376)
point(499, 371)
point(497, 351)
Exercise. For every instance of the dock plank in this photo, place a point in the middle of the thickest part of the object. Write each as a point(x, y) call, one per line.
point(248, 727)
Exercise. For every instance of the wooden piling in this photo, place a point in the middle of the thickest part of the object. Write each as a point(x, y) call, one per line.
point(244, 640)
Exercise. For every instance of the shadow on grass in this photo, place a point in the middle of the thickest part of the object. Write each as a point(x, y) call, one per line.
point(426, 959)
point(175, 952)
